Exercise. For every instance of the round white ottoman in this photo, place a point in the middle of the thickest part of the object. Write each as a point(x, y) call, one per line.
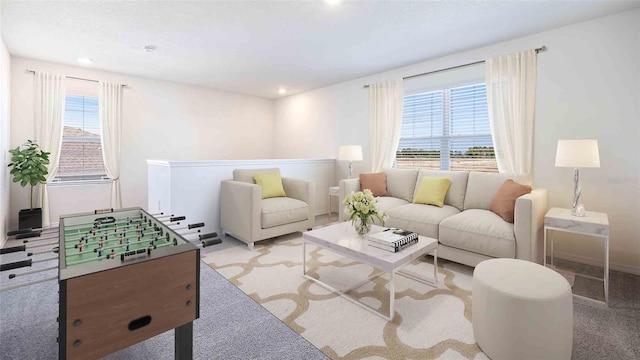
point(521, 310)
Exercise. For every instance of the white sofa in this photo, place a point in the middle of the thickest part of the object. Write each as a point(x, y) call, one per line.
point(466, 230)
point(248, 217)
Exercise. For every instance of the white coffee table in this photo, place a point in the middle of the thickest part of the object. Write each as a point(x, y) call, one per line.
point(342, 239)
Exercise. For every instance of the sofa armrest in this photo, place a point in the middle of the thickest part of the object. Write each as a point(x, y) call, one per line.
point(347, 186)
point(303, 190)
point(529, 225)
point(240, 209)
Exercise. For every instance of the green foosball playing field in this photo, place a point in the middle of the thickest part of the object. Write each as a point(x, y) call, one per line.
point(109, 239)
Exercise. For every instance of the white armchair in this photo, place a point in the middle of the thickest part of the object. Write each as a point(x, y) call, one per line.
point(249, 218)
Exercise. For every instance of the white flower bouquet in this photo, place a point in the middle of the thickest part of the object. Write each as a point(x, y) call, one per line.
point(361, 209)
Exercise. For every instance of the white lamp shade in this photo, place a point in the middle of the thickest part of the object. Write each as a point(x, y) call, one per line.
point(578, 153)
point(350, 153)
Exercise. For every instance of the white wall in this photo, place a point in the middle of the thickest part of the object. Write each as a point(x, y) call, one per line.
point(5, 126)
point(588, 87)
point(160, 120)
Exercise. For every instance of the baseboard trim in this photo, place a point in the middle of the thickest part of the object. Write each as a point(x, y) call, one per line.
point(596, 262)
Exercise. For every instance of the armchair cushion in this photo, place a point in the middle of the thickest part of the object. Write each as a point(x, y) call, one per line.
point(283, 210)
point(272, 185)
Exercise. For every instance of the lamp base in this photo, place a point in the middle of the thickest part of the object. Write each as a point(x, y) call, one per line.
point(579, 210)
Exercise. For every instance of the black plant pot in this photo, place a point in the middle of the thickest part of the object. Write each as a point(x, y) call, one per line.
point(30, 218)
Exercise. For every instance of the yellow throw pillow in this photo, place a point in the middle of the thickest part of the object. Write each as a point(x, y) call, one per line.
point(271, 185)
point(432, 191)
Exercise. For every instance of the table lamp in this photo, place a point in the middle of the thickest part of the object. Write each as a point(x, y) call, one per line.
point(579, 153)
point(350, 153)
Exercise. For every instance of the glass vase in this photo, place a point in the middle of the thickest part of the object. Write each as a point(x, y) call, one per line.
point(362, 224)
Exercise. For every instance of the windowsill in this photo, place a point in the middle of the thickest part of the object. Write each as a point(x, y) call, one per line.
point(79, 182)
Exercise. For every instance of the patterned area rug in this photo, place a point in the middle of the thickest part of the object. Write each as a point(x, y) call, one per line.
point(429, 322)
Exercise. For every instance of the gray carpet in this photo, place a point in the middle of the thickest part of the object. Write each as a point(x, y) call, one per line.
point(231, 324)
point(605, 332)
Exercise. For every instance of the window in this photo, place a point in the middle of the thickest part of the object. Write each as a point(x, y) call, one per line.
point(81, 152)
point(448, 130)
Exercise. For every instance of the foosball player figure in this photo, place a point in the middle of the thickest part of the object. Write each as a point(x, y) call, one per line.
point(99, 252)
point(93, 231)
point(115, 228)
point(112, 255)
point(80, 244)
point(101, 242)
point(127, 243)
point(120, 238)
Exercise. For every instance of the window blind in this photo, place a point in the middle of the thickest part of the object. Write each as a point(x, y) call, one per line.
point(447, 129)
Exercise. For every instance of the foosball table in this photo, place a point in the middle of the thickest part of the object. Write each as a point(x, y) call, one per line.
point(124, 277)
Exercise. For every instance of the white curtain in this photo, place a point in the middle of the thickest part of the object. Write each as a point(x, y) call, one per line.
point(385, 99)
point(48, 116)
point(511, 97)
point(110, 112)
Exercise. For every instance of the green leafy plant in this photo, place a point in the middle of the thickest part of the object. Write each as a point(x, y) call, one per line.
point(29, 165)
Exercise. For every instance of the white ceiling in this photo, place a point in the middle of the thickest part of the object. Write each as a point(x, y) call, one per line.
point(255, 47)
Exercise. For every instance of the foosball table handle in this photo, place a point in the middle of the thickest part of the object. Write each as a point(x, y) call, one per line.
point(16, 265)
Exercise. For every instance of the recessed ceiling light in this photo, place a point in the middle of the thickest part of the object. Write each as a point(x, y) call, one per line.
point(282, 91)
point(150, 48)
point(85, 60)
point(333, 2)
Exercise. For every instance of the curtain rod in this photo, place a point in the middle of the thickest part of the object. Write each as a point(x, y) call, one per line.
point(76, 78)
point(542, 48)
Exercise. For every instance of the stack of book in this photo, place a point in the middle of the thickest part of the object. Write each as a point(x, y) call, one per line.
point(392, 240)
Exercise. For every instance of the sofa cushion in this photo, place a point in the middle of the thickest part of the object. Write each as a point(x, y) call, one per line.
point(479, 231)
point(246, 175)
point(457, 189)
point(482, 187)
point(401, 182)
point(504, 203)
point(432, 191)
point(271, 185)
point(386, 202)
point(376, 182)
point(283, 210)
point(423, 219)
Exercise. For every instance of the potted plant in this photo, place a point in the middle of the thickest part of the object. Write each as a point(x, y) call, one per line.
point(29, 167)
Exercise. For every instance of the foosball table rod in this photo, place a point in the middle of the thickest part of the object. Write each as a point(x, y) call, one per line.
point(173, 219)
point(28, 283)
point(33, 230)
point(208, 239)
point(37, 237)
point(23, 263)
point(190, 226)
point(25, 248)
point(55, 250)
point(13, 276)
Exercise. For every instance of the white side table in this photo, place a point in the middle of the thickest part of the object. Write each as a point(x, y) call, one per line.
point(593, 224)
point(333, 191)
